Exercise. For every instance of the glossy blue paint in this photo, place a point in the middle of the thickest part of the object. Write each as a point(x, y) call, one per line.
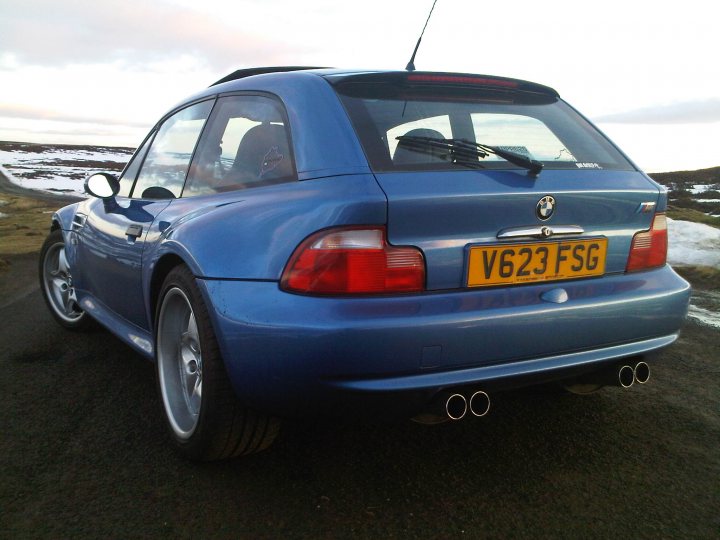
point(293, 354)
point(116, 257)
point(248, 235)
point(139, 339)
point(323, 139)
point(443, 212)
point(281, 348)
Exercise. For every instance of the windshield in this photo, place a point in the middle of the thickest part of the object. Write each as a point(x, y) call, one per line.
point(541, 128)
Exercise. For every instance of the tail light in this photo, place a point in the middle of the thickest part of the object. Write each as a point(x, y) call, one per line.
point(649, 248)
point(353, 261)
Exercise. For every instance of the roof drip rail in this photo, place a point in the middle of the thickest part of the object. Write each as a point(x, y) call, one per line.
point(242, 73)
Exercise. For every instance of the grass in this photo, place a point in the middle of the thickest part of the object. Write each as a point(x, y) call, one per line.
point(688, 214)
point(25, 225)
point(703, 277)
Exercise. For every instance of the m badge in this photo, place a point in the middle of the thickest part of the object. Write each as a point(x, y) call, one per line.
point(545, 207)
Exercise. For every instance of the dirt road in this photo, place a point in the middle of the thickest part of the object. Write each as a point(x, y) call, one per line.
point(83, 454)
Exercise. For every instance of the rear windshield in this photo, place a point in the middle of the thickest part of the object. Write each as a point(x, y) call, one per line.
point(536, 125)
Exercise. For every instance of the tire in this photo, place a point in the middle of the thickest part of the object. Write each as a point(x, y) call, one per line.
point(205, 418)
point(56, 284)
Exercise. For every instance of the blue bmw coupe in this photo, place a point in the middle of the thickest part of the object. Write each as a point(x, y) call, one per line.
point(294, 242)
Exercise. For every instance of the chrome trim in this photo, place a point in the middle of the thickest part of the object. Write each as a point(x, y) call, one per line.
point(543, 231)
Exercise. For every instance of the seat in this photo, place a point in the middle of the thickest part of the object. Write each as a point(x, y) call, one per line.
point(405, 156)
point(262, 155)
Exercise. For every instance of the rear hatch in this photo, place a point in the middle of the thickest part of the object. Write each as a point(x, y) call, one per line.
point(481, 220)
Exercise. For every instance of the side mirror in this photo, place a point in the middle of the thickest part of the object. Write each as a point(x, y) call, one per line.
point(102, 186)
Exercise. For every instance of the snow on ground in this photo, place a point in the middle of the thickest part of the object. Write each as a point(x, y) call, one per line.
point(697, 244)
point(704, 316)
point(58, 169)
point(700, 188)
point(693, 244)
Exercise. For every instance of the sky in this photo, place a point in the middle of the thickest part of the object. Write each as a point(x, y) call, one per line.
point(102, 72)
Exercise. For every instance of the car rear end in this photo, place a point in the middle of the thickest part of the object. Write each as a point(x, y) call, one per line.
point(485, 275)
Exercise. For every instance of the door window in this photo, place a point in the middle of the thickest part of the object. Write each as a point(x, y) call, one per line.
point(127, 179)
point(163, 174)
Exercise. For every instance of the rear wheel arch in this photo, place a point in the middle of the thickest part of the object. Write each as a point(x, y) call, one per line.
point(162, 268)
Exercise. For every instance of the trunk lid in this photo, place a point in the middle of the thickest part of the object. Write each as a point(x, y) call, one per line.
point(444, 213)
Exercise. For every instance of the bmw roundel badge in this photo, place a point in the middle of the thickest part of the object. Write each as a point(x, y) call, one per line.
point(545, 207)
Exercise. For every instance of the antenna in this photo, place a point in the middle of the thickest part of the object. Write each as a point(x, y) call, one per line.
point(411, 63)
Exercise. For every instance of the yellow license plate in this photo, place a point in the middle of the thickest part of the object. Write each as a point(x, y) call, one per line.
point(536, 261)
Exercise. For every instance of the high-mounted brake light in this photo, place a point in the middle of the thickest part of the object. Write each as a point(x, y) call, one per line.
point(353, 261)
point(649, 248)
point(456, 79)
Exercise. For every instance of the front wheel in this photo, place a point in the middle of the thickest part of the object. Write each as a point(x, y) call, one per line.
point(56, 283)
point(206, 420)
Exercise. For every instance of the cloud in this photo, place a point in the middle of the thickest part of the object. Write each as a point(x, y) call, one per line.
point(702, 111)
point(34, 113)
point(49, 32)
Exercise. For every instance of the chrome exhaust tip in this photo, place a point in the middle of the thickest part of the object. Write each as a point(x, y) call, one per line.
point(641, 373)
point(456, 406)
point(626, 376)
point(479, 403)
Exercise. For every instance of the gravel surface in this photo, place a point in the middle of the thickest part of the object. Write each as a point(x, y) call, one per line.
point(84, 455)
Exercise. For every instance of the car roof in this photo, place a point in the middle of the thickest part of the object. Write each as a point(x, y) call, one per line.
point(337, 76)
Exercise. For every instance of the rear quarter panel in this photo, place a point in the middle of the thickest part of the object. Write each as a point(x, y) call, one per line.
point(252, 233)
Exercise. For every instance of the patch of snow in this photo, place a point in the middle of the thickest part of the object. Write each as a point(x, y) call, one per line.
point(3, 203)
point(3, 215)
point(56, 170)
point(704, 316)
point(693, 244)
point(700, 188)
point(708, 200)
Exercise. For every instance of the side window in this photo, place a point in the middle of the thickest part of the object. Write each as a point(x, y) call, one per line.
point(166, 165)
point(520, 134)
point(246, 144)
point(127, 179)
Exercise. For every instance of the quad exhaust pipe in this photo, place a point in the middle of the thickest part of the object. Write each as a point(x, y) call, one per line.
point(624, 375)
point(641, 373)
point(454, 406)
point(479, 403)
point(629, 375)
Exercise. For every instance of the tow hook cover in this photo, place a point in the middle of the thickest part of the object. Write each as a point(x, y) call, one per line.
point(556, 296)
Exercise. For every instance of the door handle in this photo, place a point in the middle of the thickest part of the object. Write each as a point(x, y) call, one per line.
point(134, 230)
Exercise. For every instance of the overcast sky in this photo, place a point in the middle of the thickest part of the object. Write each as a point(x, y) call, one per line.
point(103, 71)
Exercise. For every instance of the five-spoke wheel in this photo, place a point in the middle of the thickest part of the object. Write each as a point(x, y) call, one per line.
point(57, 283)
point(180, 364)
point(205, 418)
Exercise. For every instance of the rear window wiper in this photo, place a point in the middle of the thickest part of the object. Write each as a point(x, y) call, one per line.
point(464, 152)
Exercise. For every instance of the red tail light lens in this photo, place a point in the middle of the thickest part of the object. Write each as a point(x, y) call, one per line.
point(649, 248)
point(353, 261)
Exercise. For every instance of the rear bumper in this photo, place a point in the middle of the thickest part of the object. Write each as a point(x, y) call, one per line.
point(299, 355)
